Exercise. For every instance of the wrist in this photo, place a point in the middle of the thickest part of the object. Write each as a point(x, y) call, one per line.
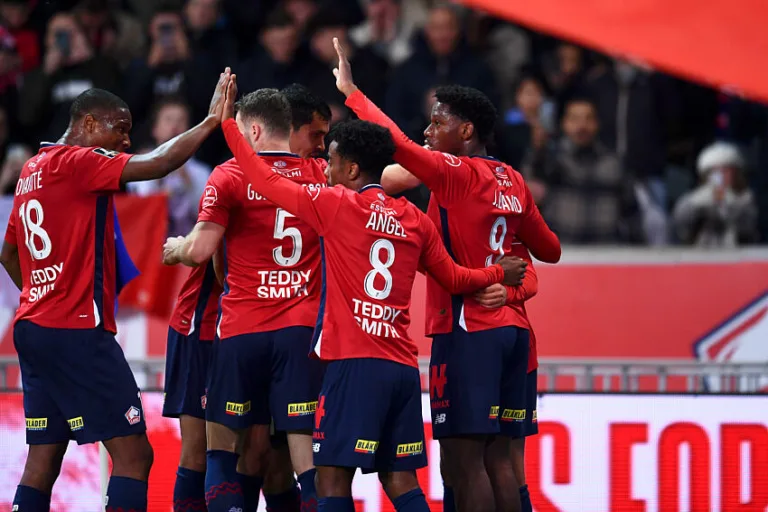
point(211, 122)
point(350, 90)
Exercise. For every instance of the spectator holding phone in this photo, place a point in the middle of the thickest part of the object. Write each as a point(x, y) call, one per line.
point(69, 68)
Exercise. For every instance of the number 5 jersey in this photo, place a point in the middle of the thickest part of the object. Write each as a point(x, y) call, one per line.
point(271, 258)
point(63, 225)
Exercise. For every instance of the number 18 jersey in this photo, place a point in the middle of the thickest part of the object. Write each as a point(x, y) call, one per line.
point(271, 259)
point(63, 225)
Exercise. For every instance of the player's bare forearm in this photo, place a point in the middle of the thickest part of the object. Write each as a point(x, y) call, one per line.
point(396, 179)
point(9, 257)
point(169, 156)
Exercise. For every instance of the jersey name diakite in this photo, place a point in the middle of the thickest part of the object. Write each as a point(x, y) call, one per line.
point(271, 259)
point(63, 225)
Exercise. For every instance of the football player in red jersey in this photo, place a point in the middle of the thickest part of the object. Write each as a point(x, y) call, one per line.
point(480, 205)
point(260, 370)
point(59, 249)
point(369, 410)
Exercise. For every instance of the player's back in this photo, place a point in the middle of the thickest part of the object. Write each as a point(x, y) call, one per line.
point(63, 221)
point(272, 259)
point(371, 254)
point(478, 217)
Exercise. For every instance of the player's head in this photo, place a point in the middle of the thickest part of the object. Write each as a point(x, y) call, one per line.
point(264, 116)
point(310, 121)
point(462, 120)
point(358, 153)
point(100, 118)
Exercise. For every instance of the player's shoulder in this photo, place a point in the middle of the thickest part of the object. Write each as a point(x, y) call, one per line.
point(227, 171)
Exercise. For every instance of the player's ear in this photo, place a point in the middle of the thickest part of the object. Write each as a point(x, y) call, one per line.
point(89, 123)
point(353, 172)
point(466, 131)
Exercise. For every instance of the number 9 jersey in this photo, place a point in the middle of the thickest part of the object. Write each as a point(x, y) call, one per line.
point(271, 259)
point(63, 225)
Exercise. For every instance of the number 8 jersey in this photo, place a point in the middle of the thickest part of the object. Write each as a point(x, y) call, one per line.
point(63, 225)
point(271, 259)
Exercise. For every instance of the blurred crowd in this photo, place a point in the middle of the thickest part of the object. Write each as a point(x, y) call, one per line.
point(614, 152)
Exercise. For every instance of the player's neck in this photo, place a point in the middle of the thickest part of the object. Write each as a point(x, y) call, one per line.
point(474, 148)
point(71, 138)
point(274, 145)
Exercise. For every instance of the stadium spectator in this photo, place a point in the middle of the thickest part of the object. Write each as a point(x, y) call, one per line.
point(210, 40)
point(15, 158)
point(10, 73)
point(301, 11)
point(386, 31)
point(110, 32)
point(15, 18)
point(371, 70)
point(722, 211)
point(171, 117)
point(274, 62)
point(441, 56)
point(565, 69)
point(528, 124)
point(580, 186)
point(69, 68)
point(637, 111)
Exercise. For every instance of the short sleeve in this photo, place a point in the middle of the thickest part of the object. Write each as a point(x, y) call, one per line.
point(98, 169)
point(10, 230)
point(219, 198)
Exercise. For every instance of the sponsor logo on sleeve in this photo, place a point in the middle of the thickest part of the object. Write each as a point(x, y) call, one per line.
point(365, 446)
point(105, 152)
point(302, 409)
point(210, 196)
point(37, 424)
point(236, 409)
point(409, 449)
point(452, 160)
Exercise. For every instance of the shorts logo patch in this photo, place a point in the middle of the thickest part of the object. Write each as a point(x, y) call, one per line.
point(440, 419)
point(438, 378)
point(302, 409)
point(494, 412)
point(236, 409)
point(364, 446)
point(534, 417)
point(37, 424)
point(409, 449)
point(133, 415)
point(105, 152)
point(76, 424)
point(513, 415)
point(203, 401)
point(315, 447)
point(320, 412)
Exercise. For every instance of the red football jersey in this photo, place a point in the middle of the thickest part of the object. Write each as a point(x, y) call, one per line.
point(372, 246)
point(63, 225)
point(198, 304)
point(479, 204)
point(272, 259)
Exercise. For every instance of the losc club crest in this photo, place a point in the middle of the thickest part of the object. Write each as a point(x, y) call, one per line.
point(133, 415)
point(741, 338)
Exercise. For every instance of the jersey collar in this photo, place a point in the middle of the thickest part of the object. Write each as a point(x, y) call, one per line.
point(50, 144)
point(485, 157)
point(278, 154)
point(369, 187)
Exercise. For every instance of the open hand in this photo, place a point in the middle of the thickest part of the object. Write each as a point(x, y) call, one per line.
point(219, 95)
point(344, 82)
point(171, 250)
point(229, 103)
point(493, 297)
point(514, 270)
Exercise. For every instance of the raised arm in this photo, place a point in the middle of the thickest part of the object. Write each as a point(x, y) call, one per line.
point(171, 155)
point(396, 179)
point(432, 168)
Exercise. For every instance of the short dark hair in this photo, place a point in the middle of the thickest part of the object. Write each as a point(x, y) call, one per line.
point(304, 105)
point(580, 99)
point(94, 100)
point(327, 18)
point(369, 145)
point(470, 105)
point(269, 106)
point(166, 101)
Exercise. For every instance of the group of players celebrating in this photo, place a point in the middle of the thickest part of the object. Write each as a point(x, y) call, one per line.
point(292, 255)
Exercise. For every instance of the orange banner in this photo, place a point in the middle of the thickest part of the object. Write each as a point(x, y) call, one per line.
point(720, 43)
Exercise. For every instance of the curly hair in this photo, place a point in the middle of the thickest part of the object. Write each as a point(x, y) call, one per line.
point(470, 105)
point(269, 106)
point(304, 105)
point(369, 145)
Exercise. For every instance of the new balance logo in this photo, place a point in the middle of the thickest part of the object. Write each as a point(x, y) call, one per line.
point(440, 418)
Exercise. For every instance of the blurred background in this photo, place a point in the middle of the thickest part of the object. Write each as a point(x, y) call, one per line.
point(656, 185)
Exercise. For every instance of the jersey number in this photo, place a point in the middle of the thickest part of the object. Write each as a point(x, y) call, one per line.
point(33, 229)
point(282, 232)
point(496, 241)
point(380, 268)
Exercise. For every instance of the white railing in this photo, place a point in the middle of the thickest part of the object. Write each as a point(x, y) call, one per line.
point(557, 374)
